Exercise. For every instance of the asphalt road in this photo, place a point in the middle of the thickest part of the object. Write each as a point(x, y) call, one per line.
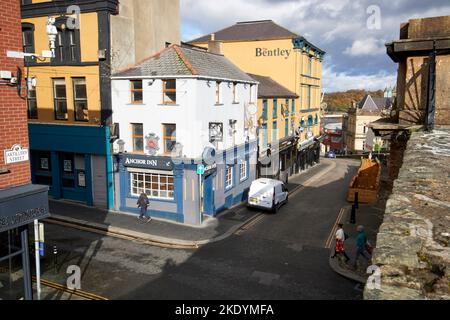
point(281, 256)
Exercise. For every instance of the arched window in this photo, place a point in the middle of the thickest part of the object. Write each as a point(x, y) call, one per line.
point(67, 42)
point(310, 121)
point(316, 120)
point(28, 39)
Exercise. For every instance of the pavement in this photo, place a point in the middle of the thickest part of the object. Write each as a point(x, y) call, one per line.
point(369, 216)
point(166, 233)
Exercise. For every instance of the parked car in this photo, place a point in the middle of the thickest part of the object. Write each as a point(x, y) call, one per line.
point(330, 154)
point(268, 194)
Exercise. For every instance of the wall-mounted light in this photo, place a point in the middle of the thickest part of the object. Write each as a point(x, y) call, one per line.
point(208, 83)
point(151, 82)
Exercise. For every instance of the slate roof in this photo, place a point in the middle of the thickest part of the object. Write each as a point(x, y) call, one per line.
point(269, 88)
point(249, 30)
point(368, 103)
point(182, 61)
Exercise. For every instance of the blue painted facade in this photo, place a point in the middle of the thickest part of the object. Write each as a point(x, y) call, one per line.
point(62, 158)
point(186, 202)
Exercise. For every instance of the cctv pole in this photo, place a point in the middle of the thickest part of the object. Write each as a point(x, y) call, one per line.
point(38, 258)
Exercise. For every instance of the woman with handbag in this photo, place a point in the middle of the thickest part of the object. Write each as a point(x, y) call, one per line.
point(341, 236)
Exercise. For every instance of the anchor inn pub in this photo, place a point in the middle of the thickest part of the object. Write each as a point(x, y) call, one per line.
point(183, 107)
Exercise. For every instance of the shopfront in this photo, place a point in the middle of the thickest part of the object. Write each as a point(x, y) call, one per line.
point(74, 161)
point(19, 207)
point(177, 191)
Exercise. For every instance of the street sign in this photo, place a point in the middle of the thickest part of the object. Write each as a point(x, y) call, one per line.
point(200, 169)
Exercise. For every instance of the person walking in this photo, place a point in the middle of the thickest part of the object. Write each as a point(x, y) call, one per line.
point(361, 246)
point(340, 240)
point(142, 204)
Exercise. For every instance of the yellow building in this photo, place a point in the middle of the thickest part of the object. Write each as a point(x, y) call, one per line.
point(69, 95)
point(267, 49)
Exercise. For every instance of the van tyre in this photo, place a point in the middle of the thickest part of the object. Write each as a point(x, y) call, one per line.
point(274, 207)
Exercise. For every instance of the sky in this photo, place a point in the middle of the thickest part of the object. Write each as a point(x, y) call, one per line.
point(352, 32)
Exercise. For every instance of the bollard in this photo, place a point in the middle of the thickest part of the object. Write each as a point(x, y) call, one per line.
point(55, 259)
point(353, 215)
point(357, 200)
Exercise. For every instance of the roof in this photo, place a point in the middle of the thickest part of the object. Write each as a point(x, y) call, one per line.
point(270, 88)
point(368, 103)
point(182, 61)
point(250, 30)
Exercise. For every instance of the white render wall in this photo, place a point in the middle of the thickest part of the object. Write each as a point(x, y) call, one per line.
point(196, 108)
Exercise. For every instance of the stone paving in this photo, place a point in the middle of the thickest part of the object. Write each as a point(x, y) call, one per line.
point(413, 244)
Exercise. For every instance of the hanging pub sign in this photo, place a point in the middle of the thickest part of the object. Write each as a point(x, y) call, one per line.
point(16, 154)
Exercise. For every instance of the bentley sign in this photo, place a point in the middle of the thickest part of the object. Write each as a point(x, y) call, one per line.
point(16, 154)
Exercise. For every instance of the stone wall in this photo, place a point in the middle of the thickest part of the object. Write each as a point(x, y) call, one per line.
point(413, 242)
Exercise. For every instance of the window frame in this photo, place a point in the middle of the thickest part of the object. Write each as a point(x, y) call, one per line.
point(243, 168)
point(66, 52)
point(56, 99)
point(77, 100)
point(265, 110)
point(148, 180)
point(169, 138)
point(229, 179)
point(29, 114)
point(28, 27)
point(235, 93)
point(275, 109)
point(133, 90)
point(135, 136)
point(165, 90)
point(218, 92)
point(274, 131)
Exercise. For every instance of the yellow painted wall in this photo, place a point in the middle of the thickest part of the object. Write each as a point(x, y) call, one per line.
point(290, 71)
point(45, 73)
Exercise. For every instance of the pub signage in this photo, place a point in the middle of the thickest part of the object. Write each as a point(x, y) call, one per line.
point(278, 52)
point(148, 162)
point(16, 154)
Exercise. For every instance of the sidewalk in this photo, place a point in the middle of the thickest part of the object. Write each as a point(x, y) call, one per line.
point(369, 216)
point(164, 232)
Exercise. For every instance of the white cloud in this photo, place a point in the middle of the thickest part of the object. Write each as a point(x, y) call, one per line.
point(341, 81)
point(366, 47)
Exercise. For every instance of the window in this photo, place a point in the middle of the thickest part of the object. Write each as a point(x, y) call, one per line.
point(218, 93)
point(169, 91)
point(229, 177)
point(235, 93)
point(310, 66)
point(243, 168)
point(28, 39)
point(316, 119)
point(275, 109)
point(67, 43)
point(274, 132)
point(264, 137)
point(138, 137)
point(252, 96)
point(154, 185)
point(286, 112)
point(26, 2)
point(264, 112)
point(60, 99)
point(31, 102)
point(80, 99)
point(137, 95)
point(308, 96)
point(286, 127)
point(310, 121)
point(293, 106)
point(170, 137)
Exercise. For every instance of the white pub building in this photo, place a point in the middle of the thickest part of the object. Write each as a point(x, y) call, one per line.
point(177, 114)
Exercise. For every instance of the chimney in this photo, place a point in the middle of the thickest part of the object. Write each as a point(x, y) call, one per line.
point(215, 46)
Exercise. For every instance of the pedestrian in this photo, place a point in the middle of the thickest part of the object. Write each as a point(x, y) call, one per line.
point(341, 236)
point(361, 246)
point(142, 204)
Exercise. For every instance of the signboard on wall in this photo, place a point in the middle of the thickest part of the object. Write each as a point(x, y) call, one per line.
point(16, 154)
point(147, 162)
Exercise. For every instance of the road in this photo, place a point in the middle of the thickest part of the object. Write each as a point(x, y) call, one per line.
point(281, 256)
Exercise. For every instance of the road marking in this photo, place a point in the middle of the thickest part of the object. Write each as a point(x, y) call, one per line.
point(258, 218)
point(329, 242)
point(79, 293)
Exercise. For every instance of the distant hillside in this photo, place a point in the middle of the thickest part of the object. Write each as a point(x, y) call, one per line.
point(341, 101)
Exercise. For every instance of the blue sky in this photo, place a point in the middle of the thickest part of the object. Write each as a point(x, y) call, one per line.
point(356, 55)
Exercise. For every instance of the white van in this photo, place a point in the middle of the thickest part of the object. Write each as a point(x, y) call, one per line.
point(268, 194)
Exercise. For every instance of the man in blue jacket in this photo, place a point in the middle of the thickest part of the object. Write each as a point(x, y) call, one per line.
point(361, 246)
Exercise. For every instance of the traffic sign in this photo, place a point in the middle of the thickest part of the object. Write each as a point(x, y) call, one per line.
point(200, 169)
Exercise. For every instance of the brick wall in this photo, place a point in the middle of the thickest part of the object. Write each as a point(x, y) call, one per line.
point(13, 114)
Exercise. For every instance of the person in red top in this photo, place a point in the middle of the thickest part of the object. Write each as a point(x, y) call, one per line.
point(340, 240)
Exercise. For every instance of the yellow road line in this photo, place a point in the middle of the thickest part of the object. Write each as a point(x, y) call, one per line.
point(332, 234)
point(79, 293)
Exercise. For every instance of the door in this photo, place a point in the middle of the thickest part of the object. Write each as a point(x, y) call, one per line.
point(99, 187)
point(208, 195)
